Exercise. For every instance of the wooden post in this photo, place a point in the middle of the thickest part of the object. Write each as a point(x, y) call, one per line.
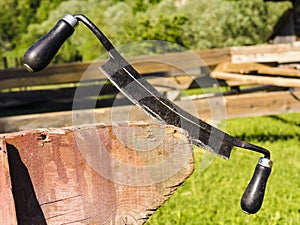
point(97, 174)
point(17, 64)
point(5, 64)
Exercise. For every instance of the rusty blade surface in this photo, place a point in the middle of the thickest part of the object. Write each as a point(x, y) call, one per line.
point(144, 95)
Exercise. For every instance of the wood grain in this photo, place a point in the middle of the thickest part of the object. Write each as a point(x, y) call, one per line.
point(104, 173)
point(280, 53)
point(253, 79)
point(7, 206)
point(257, 68)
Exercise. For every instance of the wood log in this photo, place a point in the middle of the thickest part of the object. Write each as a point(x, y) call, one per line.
point(95, 174)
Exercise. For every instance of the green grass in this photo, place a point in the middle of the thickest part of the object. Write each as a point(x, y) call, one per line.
point(212, 194)
point(199, 91)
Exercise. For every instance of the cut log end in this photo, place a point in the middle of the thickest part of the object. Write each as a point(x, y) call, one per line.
point(96, 174)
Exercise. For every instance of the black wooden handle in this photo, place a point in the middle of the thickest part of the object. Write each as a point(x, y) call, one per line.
point(40, 54)
point(254, 194)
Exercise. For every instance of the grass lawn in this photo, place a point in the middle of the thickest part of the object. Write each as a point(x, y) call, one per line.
point(212, 194)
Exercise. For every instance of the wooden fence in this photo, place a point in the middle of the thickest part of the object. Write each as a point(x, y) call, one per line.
point(26, 99)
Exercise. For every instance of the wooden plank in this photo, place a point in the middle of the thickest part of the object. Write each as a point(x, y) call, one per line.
point(163, 83)
point(245, 105)
point(33, 101)
point(213, 57)
point(64, 94)
point(262, 104)
point(252, 79)
point(281, 53)
point(7, 205)
point(279, 72)
point(243, 68)
point(75, 117)
point(56, 74)
point(104, 173)
point(251, 104)
point(257, 68)
point(170, 63)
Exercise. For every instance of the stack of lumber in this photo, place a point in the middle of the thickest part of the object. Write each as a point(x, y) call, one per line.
point(257, 73)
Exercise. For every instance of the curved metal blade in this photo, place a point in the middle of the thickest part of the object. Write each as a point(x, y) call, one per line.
point(144, 95)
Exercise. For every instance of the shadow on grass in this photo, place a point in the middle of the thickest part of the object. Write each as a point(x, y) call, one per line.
point(283, 120)
point(268, 137)
point(272, 136)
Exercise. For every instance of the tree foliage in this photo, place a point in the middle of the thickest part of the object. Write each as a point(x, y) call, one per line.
point(193, 24)
point(16, 16)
